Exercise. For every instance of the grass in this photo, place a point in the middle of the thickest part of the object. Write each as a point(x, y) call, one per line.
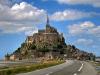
point(28, 68)
point(97, 65)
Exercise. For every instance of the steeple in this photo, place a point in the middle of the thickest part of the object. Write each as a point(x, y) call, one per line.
point(47, 21)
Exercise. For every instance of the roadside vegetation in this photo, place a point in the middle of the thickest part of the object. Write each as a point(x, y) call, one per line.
point(97, 66)
point(28, 68)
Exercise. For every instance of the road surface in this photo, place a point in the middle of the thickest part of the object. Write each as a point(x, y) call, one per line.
point(88, 69)
point(70, 67)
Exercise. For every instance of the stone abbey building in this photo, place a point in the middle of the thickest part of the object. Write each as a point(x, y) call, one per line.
point(47, 43)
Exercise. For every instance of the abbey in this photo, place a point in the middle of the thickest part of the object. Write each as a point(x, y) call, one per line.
point(49, 36)
point(47, 44)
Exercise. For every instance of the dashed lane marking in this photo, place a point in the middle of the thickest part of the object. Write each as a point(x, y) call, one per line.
point(80, 68)
point(75, 73)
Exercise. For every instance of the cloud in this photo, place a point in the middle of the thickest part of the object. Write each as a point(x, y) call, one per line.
point(5, 2)
point(31, 31)
point(94, 3)
point(80, 28)
point(71, 15)
point(20, 18)
point(9, 3)
point(87, 28)
point(84, 42)
point(95, 31)
point(85, 35)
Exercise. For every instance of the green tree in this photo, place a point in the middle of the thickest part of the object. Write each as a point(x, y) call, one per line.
point(33, 46)
point(7, 56)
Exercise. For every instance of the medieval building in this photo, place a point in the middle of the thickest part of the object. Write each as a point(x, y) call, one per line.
point(46, 43)
point(49, 44)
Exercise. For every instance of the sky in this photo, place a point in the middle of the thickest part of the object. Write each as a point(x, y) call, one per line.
point(78, 20)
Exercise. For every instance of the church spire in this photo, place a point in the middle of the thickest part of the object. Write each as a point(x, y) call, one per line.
point(47, 20)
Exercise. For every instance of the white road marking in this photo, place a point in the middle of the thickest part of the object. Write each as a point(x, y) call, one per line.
point(49, 73)
point(80, 68)
point(75, 73)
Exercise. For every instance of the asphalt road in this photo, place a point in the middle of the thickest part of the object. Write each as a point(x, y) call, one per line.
point(70, 67)
point(88, 69)
point(69, 70)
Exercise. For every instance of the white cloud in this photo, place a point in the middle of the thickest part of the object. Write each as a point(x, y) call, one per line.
point(27, 11)
point(20, 18)
point(9, 3)
point(85, 42)
point(95, 31)
point(87, 27)
point(80, 28)
point(85, 35)
point(31, 31)
point(94, 3)
point(5, 2)
point(71, 15)
point(75, 29)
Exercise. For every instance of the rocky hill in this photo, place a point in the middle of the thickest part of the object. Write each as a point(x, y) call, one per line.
point(76, 53)
point(48, 43)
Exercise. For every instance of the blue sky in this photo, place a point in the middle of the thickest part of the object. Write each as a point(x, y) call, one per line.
point(78, 20)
